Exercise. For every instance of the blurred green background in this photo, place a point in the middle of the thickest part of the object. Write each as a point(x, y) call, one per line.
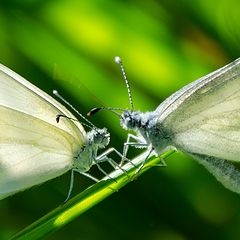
point(69, 46)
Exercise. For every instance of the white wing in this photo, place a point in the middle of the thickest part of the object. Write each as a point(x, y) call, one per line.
point(203, 120)
point(204, 116)
point(31, 151)
point(224, 171)
point(19, 94)
point(33, 146)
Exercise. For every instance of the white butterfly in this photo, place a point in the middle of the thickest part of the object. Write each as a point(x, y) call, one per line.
point(34, 147)
point(202, 120)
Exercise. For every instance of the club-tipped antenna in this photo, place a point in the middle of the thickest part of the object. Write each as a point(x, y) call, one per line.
point(73, 119)
point(55, 92)
point(93, 111)
point(119, 62)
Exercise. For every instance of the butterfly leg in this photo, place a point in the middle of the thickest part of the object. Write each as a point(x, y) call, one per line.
point(103, 158)
point(150, 150)
point(162, 162)
point(110, 150)
point(72, 181)
point(138, 144)
point(104, 172)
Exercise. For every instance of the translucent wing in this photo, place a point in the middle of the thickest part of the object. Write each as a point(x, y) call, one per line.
point(204, 116)
point(31, 151)
point(224, 171)
point(33, 146)
point(18, 94)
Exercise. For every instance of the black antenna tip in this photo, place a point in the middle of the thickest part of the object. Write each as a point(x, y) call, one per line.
point(58, 118)
point(93, 111)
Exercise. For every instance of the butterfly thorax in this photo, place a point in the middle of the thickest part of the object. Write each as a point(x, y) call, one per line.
point(95, 139)
point(146, 125)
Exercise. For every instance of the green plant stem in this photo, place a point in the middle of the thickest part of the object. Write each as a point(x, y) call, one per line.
point(67, 212)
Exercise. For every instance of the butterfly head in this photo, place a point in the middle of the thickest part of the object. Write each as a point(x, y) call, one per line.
point(130, 120)
point(99, 137)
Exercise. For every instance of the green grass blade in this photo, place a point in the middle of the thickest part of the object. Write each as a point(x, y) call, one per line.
point(67, 212)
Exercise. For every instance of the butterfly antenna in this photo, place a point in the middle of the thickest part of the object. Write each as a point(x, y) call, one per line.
point(55, 92)
point(119, 62)
point(93, 111)
point(73, 119)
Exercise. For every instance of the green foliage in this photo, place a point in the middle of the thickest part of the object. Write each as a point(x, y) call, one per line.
point(70, 46)
point(64, 214)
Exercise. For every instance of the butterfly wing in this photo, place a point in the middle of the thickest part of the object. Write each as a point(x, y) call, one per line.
point(19, 94)
point(204, 116)
point(224, 171)
point(33, 146)
point(31, 151)
point(203, 120)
